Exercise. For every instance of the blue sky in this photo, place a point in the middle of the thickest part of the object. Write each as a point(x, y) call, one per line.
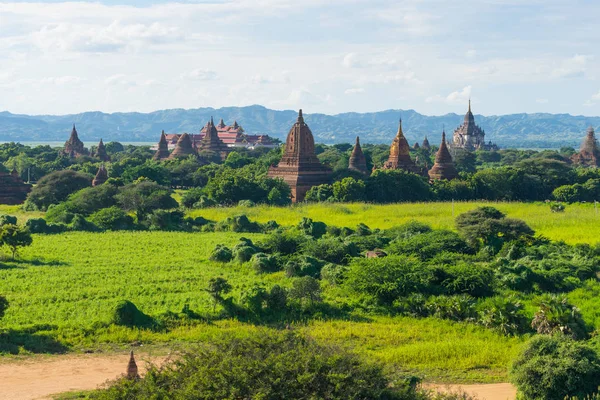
point(328, 56)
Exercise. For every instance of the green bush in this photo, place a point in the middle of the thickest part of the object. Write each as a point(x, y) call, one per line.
point(428, 245)
point(125, 313)
point(334, 274)
point(191, 197)
point(312, 228)
point(505, 315)
point(331, 249)
point(39, 225)
point(221, 253)
point(277, 299)
point(239, 223)
point(264, 263)
point(304, 266)
point(112, 219)
point(243, 254)
point(554, 367)
point(3, 306)
point(262, 366)
point(79, 223)
point(408, 230)
point(7, 220)
point(283, 242)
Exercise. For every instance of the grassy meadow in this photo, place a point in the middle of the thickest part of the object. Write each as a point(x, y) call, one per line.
point(63, 289)
point(579, 223)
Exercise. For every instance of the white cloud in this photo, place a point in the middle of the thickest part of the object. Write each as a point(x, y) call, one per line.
point(354, 91)
point(596, 96)
point(457, 97)
point(200, 74)
point(351, 60)
point(573, 67)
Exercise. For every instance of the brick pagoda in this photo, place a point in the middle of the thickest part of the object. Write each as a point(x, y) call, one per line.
point(358, 162)
point(211, 140)
point(589, 154)
point(163, 148)
point(400, 154)
point(299, 167)
point(12, 188)
point(74, 147)
point(183, 148)
point(444, 166)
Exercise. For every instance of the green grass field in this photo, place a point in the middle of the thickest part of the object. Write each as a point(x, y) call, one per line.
point(63, 290)
point(580, 223)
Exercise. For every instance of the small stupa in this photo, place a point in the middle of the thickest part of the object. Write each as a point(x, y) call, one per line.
point(101, 152)
point(444, 166)
point(101, 176)
point(132, 368)
point(358, 162)
point(416, 146)
point(183, 148)
point(400, 154)
point(589, 153)
point(74, 147)
point(12, 188)
point(163, 148)
point(425, 145)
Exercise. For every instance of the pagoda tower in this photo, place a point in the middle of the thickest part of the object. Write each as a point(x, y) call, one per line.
point(416, 146)
point(444, 166)
point(299, 167)
point(212, 142)
point(358, 162)
point(589, 153)
point(183, 148)
point(74, 147)
point(101, 152)
point(425, 144)
point(12, 188)
point(163, 148)
point(400, 154)
point(101, 176)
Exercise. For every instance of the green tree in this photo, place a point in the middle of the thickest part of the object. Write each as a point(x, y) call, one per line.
point(349, 190)
point(14, 237)
point(217, 287)
point(3, 306)
point(56, 187)
point(555, 368)
point(150, 169)
point(144, 197)
point(305, 289)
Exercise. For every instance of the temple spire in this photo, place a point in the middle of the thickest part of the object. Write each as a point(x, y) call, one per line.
point(132, 369)
point(300, 117)
point(469, 104)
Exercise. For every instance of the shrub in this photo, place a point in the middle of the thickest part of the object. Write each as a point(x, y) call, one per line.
point(39, 225)
point(79, 223)
point(306, 290)
point(243, 254)
point(427, 245)
point(502, 314)
point(14, 237)
point(304, 266)
point(277, 299)
point(330, 249)
point(456, 308)
point(254, 298)
point(246, 203)
point(264, 263)
point(56, 187)
point(554, 368)
point(312, 228)
point(204, 202)
point(408, 230)
point(7, 219)
point(239, 223)
point(221, 253)
point(165, 220)
point(125, 313)
point(289, 367)
point(191, 197)
point(3, 306)
point(463, 277)
point(556, 315)
point(284, 242)
point(112, 219)
point(334, 274)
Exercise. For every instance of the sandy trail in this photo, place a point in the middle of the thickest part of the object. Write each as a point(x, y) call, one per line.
point(41, 377)
point(38, 378)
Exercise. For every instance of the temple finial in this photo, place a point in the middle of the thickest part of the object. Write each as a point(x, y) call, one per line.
point(211, 120)
point(300, 117)
point(469, 104)
point(357, 141)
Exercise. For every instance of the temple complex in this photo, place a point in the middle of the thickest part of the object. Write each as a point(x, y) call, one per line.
point(12, 188)
point(74, 147)
point(101, 152)
point(211, 141)
point(358, 162)
point(101, 176)
point(299, 167)
point(444, 166)
point(589, 153)
point(470, 136)
point(400, 154)
point(162, 152)
point(184, 148)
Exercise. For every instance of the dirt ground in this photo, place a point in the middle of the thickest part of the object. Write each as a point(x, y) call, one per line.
point(41, 377)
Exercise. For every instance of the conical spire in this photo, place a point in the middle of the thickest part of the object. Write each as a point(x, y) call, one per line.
point(132, 369)
point(212, 142)
point(589, 152)
point(426, 144)
point(400, 153)
point(444, 166)
point(358, 162)
point(101, 151)
point(300, 117)
point(74, 147)
point(183, 148)
point(163, 148)
point(221, 124)
point(101, 176)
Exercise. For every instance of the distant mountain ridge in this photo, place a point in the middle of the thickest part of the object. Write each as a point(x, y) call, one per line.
point(515, 130)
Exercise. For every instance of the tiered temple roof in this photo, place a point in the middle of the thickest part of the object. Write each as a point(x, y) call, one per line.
point(183, 148)
point(444, 166)
point(400, 154)
point(589, 153)
point(212, 142)
point(74, 147)
point(12, 188)
point(163, 148)
point(101, 152)
point(470, 136)
point(358, 162)
point(299, 167)
point(101, 176)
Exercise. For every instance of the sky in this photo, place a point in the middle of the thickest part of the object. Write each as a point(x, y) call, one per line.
point(325, 56)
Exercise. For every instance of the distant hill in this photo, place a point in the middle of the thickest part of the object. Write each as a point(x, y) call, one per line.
point(515, 130)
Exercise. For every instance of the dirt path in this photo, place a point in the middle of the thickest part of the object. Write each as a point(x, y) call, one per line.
point(41, 377)
point(491, 391)
point(38, 378)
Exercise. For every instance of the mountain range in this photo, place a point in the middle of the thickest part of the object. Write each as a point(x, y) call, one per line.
point(515, 130)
